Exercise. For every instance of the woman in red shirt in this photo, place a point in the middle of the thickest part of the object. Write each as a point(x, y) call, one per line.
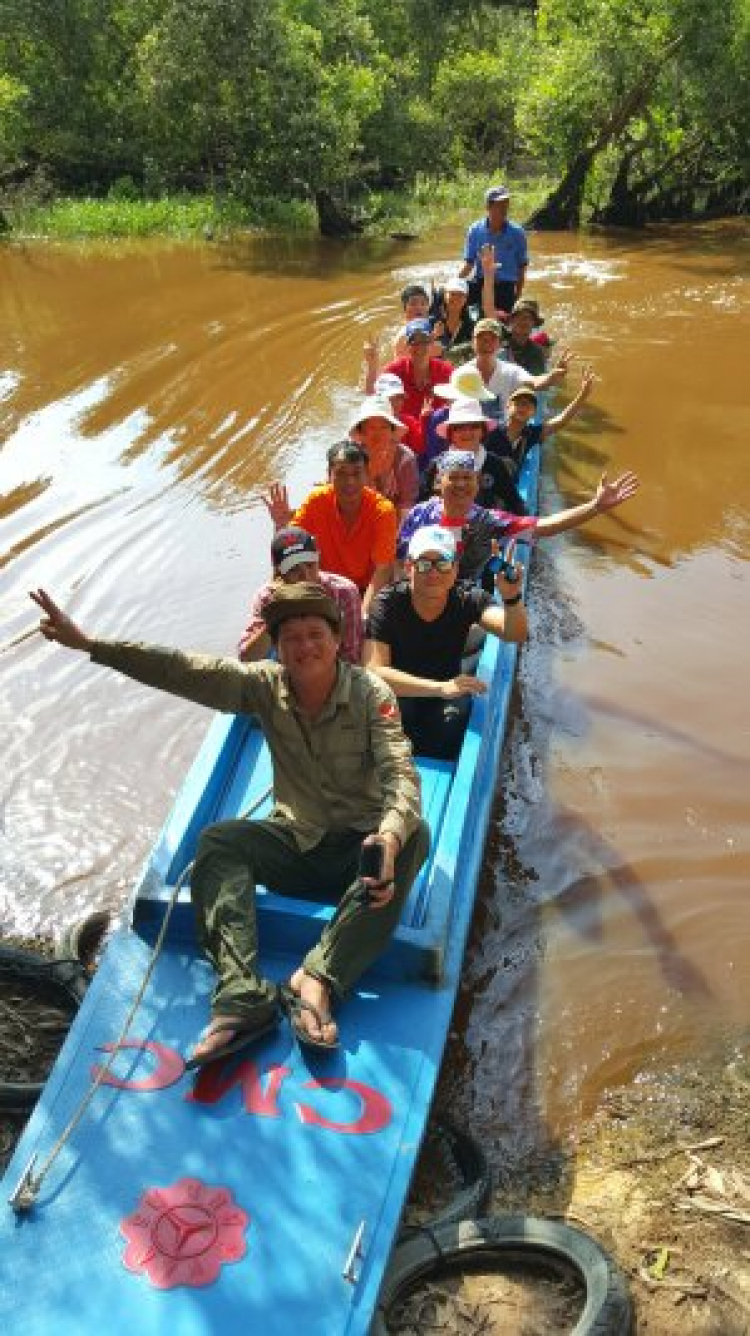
point(418, 372)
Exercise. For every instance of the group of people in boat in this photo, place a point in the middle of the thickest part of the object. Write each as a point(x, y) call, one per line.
point(359, 648)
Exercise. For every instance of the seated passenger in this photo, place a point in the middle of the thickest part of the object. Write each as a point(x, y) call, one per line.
point(455, 319)
point(415, 305)
point(354, 526)
point(519, 343)
point(465, 383)
point(454, 322)
point(416, 631)
point(342, 775)
point(467, 428)
point(295, 559)
point(475, 527)
point(392, 467)
point(502, 377)
point(512, 442)
point(419, 371)
point(391, 387)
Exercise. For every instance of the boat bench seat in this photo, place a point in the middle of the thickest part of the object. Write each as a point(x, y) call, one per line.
point(232, 777)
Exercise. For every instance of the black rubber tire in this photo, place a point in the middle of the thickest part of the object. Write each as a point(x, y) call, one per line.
point(608, 1309)
point(82, 941)
point(470, 1162)
point(60, 982)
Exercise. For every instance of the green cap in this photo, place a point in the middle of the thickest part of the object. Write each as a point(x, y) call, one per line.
point(487, 326)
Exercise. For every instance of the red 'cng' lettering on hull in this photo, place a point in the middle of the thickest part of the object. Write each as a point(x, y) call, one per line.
point(376, 1109)
point(168, 1071)
point(260, 1090)
point(214, 1081)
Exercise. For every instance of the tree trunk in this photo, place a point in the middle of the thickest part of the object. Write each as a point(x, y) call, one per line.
point(562, 209)
point(624, 208)
point(333, 220)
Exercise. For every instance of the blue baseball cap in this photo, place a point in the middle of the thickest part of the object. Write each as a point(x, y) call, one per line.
point(418, 329)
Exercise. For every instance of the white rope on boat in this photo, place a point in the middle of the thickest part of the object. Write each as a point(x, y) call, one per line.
point(27, 1190)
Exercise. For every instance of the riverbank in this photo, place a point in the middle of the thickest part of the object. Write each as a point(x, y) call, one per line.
point(32, 214)
point(660, 1176)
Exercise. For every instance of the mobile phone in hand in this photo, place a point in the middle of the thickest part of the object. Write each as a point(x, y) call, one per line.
point(497, 566)
point(503, 563)
point(371, 861)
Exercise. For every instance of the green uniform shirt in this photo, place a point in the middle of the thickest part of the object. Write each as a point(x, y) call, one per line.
point(350, 768)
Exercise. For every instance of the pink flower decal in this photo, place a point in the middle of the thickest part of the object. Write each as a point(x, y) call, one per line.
point(183, 1235)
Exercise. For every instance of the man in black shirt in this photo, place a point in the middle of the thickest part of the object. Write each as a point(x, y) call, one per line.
point(416, 632)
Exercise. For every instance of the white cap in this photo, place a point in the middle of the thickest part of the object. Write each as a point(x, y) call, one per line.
point(457, 284)
point(432, 538)
point(387, 385)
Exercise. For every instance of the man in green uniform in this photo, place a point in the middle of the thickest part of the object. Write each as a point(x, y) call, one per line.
point(342, 774)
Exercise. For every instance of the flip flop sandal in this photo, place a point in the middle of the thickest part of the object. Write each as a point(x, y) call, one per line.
point(241, 1035)
point(294, 1006)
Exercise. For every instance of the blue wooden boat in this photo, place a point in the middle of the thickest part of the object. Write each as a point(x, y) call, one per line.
point(265, 1196)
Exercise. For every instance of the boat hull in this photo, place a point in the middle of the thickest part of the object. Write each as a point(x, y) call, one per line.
point(305, 1154)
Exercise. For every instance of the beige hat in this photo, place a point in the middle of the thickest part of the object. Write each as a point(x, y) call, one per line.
point(524, 392)
point(465, 383)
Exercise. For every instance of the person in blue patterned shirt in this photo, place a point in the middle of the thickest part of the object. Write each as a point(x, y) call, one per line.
point(475, 527)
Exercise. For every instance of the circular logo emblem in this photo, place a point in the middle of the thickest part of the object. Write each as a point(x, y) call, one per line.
point(183, 1234)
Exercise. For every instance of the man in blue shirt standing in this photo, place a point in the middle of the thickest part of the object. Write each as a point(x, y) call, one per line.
point(508, 241)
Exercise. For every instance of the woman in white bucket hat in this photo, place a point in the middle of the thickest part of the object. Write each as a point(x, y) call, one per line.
point(467, 428)
point(391, 387)
point(392, 465)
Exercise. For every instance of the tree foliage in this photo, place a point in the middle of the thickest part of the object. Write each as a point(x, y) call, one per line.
point(641, 106)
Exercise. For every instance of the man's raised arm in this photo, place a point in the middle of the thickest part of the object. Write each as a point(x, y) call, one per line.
point(56, 625)
point(220, 683)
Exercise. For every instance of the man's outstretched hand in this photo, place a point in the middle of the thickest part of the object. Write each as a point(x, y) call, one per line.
point(56, 625)
point(611, 494)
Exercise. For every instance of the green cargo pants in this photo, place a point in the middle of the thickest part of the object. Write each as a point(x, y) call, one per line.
point(233, 856)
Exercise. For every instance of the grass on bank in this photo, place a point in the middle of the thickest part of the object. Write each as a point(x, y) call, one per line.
point(432, 199)
point(408, 212)
point(181, 216)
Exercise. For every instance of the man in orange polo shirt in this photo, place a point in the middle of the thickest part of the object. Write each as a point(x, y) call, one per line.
point(354, 527)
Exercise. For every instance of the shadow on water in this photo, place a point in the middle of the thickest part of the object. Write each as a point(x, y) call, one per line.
point(543, 864)
point(310, 257)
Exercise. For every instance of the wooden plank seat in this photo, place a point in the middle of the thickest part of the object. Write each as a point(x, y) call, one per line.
point(230, 774)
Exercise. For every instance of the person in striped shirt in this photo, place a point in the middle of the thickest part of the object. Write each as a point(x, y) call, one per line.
point(295, 558)
point(476, 527)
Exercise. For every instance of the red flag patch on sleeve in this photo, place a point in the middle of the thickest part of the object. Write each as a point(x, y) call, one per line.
point(388, 710)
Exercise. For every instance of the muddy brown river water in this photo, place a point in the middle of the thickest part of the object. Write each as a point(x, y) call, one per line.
point(149, 393)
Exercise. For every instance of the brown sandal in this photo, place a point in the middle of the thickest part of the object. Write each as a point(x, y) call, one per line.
point(239, 1035)
point(294, 1006)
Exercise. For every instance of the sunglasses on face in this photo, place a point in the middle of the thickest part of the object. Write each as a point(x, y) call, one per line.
point(441, 564)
